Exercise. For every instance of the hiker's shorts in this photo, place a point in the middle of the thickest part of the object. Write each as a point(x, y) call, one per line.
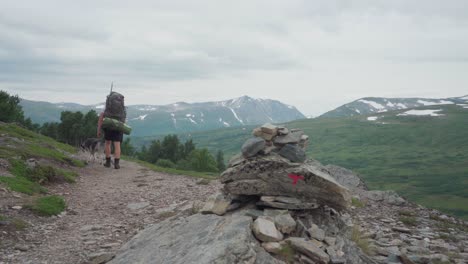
point(113, 135)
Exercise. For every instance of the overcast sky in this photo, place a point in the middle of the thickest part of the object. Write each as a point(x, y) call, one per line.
point(316, 55)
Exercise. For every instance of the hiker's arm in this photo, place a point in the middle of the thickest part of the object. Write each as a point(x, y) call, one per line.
point(101, 117)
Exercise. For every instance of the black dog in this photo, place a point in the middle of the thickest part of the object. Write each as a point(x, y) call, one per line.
point(93, 146)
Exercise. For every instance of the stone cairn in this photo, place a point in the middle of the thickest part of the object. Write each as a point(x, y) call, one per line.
point(274, 183)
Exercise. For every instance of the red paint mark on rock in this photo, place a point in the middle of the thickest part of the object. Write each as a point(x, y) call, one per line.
point(295, 178)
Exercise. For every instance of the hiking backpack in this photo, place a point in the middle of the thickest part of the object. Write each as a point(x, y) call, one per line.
point(115, 107)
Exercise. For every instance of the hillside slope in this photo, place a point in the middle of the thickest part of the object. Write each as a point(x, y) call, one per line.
point(424, 158)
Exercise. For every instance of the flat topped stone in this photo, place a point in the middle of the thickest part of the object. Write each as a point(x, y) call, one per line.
point(273, 175)
point(269, 129)
point(309, 249)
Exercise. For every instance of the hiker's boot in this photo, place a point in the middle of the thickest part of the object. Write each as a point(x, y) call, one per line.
point(116, 164)
point(108, 162)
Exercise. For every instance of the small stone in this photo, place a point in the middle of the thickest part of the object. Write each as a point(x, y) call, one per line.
point(274, 212)
point(252, 146)
point(254, 213)
point(293, 153)
point(269, 129)
point(330, 241)
point(137, 206)
point(272, 247)
point(17, 207)
point(110, 245)
point(316, 232)
point(309, 249)
point(100, 257)
point(285, 223)
point(88, 228)
point(217, 204)
point(22, 248)
point(265, 230)
point(402, 230)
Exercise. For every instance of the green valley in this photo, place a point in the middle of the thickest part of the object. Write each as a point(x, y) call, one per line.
point(423, 158)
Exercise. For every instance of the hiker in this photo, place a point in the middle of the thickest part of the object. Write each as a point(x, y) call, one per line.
point(115, 110)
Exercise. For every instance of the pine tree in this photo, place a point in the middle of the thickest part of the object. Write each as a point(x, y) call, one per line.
point(220, 161)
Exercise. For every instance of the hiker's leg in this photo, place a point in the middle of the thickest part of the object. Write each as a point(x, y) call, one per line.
point(117, 149)
point(117, 154)
point(107, 150)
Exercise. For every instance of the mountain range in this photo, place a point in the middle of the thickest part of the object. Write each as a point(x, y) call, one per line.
point(371, 105)
point(149, 120)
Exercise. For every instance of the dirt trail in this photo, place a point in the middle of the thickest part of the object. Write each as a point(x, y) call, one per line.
point(106, 207)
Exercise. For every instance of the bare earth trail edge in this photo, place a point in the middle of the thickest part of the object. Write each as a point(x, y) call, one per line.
point(105, 209)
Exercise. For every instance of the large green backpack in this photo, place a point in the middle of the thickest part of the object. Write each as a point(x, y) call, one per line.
point(115, 107)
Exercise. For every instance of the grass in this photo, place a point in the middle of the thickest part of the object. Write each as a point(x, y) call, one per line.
point(19, 224)
point(196, 174)
point(409, 220)
point(48, 205)
point(287, 253)
point(22, 185)
point(357, 203)
point(22, 143)
point(361, 242)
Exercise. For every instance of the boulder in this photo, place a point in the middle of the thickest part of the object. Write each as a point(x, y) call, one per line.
point(252, 146)
point(346, 177)
point(274, 175)
point(309, 249)
point(199, 239)
point(294, 153)
point(265, 230)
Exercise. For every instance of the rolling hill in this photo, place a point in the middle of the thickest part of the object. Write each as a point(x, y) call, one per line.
point(422, 153)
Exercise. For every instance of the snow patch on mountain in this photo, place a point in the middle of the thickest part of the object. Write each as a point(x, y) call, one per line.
point(97, 106)
point(441, 102)
point(373, 104)
point(193, 121)
point(401, 106)
point(429, 112)
point(372, 118)
point(142, 117)
point(235, 115)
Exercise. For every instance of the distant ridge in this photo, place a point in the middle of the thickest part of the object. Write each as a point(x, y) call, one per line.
point(371, 105)
point(148, 120)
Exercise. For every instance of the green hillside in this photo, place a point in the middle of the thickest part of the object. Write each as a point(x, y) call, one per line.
point(423, 158)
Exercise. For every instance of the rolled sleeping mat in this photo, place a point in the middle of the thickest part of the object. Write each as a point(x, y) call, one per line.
point(114, 124)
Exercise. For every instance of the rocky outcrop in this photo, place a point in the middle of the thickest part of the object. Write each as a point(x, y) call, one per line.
point(196, 239)
point(273, 175)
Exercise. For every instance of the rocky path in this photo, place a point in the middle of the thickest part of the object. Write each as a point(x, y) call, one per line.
point(106, 207)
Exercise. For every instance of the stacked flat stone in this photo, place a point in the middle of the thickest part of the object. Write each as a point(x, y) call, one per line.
point(290, 144)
